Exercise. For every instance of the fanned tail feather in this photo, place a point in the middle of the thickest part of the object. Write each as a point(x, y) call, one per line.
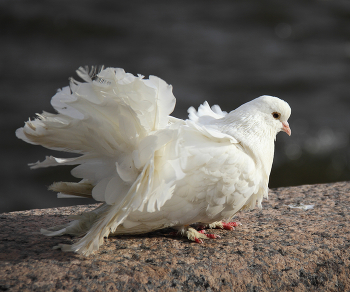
point(116, 121)
point(89, 74)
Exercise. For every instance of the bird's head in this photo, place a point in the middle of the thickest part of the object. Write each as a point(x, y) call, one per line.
point(265, 115)
point(274, 111)
point(257, 122)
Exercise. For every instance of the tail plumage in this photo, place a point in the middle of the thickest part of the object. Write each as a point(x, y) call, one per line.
point(116, 122)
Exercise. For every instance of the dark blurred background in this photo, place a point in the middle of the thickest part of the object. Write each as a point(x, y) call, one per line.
point(226, 52)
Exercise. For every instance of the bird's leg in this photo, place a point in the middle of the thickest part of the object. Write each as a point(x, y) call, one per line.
point(221, 225)
point(194, 235)
point(212, 236)
point(224, 225)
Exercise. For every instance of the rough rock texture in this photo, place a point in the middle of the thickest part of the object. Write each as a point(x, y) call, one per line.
point(278, 248)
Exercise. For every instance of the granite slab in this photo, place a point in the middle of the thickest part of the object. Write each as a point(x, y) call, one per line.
point(276, 249)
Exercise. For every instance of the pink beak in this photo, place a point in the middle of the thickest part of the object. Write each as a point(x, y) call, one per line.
point(286, 128)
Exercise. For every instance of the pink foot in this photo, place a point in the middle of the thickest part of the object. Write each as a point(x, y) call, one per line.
point(211, 236)
point(197, 235)
point(229, 225)
point(198, 240)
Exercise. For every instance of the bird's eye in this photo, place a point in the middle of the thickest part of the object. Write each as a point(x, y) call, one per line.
point(276, 115)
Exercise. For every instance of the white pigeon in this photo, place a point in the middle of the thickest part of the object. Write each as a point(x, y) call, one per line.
point(149, 169)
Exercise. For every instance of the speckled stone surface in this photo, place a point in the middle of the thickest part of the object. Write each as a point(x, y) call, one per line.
point(276, 249)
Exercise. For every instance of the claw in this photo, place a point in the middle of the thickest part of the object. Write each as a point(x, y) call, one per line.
point(213, 236)
point(198, 240)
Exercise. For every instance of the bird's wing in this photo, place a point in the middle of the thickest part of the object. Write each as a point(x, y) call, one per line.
point(219, 175)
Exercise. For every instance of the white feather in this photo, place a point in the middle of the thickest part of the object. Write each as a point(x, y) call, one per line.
point(149, 169)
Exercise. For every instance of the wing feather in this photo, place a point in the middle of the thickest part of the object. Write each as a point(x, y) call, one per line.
point(220, 173)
